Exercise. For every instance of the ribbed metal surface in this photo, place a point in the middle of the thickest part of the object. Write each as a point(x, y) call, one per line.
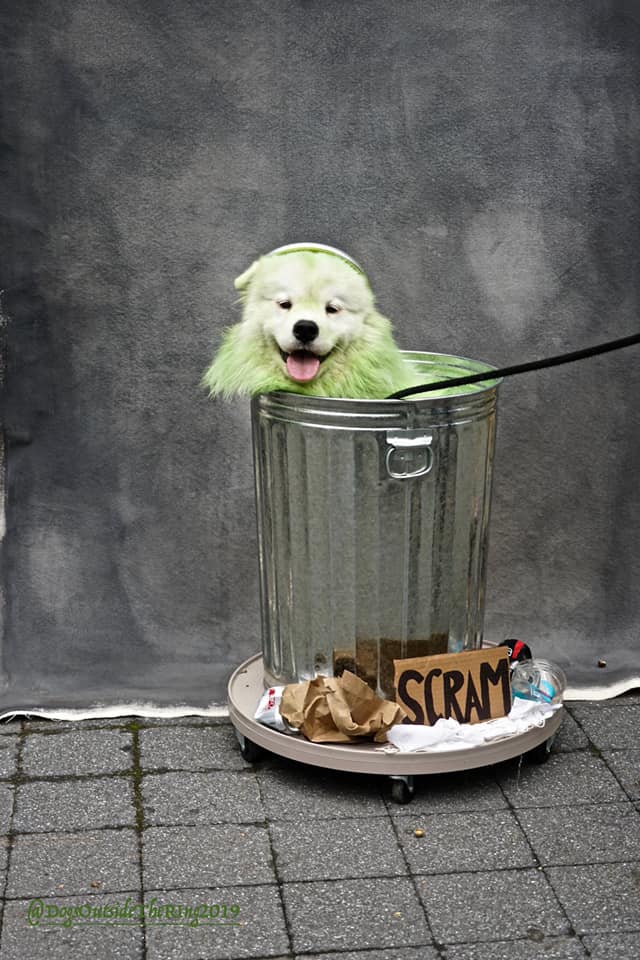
point(372, 522)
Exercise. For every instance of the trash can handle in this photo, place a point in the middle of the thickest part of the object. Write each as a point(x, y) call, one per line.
point(409, 454)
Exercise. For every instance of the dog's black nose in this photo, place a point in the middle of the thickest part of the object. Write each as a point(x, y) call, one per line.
point(305, 331)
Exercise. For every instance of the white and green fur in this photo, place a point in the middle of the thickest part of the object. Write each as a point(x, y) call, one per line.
point(360, 359)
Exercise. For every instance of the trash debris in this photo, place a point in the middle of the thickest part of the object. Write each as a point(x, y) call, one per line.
point(268, 710)
point(451, 735)
point(338, 710)
point(518, 650)
point(538, 680)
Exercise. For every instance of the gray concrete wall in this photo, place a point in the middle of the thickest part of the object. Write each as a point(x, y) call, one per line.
point(479, 158)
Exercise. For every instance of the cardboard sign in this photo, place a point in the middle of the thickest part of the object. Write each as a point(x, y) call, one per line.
point(471, 687)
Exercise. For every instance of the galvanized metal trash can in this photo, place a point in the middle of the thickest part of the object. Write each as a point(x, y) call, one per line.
point(373, 525)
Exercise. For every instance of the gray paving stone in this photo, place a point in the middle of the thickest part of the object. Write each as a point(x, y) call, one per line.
point(206, 856)
point(399, 953)
point(565, 778)
point(48, 726)
point(599, 898)
point(453, 793)
point(506, 904)
point(68, 805)
point(378, 913)
point(4, 854)
point(625, 765)
point(43, 725)
point(296, 792)
point(75, 752)
point(64, 864)
point(8, 755)
point(195, 798)
point(7, 791)
point(631, 696)
point(10, 726)
point(262, 934)
point(610, 726)
point(570, 736)
point(336, 849)
point(458, 842)
point(191, 748)
point(624, 946)
point(100, 941)
point(602, 833)
point(545, 948)
point(189, 721)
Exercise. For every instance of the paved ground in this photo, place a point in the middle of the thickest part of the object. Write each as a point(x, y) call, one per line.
point(293, 862)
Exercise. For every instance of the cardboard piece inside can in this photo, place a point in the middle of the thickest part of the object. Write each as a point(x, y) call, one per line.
point(471, 687)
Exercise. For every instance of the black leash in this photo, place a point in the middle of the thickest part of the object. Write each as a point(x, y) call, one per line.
point(519, 367)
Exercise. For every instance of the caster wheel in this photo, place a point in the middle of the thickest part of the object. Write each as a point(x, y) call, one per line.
point(539, 754)
point(249, 750)
point(401, 790)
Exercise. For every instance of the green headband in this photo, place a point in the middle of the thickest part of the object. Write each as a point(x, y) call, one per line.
point(318, 248)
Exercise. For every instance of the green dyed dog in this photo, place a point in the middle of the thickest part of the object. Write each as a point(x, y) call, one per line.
point(310, 326)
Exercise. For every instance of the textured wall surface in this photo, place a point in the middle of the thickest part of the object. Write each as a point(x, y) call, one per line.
point(480, 158)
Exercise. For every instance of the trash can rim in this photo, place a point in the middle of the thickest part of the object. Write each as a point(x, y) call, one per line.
point(460, 365)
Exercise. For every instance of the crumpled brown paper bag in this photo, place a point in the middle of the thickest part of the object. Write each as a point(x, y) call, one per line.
point(338, 710)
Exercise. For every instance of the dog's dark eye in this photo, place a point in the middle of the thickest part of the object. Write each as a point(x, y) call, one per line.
point(284, 304)
point(333, 308)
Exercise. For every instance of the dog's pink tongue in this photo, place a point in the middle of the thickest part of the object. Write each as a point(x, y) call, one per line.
point(302, 366)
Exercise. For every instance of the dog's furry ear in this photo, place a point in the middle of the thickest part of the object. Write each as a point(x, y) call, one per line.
point(243, 281)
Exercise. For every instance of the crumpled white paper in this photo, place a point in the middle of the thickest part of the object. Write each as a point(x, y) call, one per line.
point(451, 735)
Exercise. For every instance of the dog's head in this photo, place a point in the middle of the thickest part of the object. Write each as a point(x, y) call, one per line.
point(309, 325)
point(304, 307)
